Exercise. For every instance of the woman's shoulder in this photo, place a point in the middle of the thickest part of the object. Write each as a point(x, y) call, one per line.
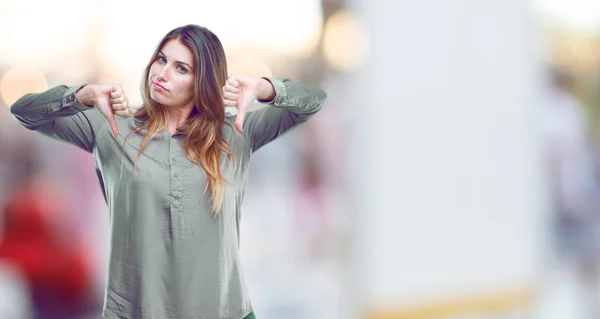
point(230, 121)
point(230, 116)
point(230, 133)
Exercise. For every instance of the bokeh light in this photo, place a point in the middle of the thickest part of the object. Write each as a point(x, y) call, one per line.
point(19, 81)
point(249, 66)
point(345, 44)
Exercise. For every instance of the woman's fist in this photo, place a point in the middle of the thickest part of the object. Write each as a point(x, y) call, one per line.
point(109, 99)
point(241, 91)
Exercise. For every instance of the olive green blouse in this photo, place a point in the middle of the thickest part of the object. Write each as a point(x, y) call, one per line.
point(170, 256)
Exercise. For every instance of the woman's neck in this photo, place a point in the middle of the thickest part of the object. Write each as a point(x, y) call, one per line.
point(176, 117)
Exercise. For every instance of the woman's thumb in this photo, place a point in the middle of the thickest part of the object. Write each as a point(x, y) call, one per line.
point(239, 120)
point(113, 125)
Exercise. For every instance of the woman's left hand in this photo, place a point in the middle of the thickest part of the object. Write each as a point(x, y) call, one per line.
point(242, 91)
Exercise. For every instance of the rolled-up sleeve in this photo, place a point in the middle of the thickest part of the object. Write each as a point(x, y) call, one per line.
point(294, 103)
point(58, 114)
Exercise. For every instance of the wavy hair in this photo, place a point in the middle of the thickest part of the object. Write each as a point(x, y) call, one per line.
point(203, 143)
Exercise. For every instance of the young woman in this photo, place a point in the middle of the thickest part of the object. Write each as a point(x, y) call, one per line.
point(174, 172)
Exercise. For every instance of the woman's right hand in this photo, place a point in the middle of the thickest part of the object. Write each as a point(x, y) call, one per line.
point(109, 99)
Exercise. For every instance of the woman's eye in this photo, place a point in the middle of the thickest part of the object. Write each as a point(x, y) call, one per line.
point(162, 59)
point(182, 69)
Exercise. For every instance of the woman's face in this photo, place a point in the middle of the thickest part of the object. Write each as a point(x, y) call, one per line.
point(171, 76)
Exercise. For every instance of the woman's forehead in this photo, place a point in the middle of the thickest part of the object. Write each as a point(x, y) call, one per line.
point(176, 51)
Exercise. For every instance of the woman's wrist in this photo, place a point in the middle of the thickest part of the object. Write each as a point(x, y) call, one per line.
point(85, 95)
point(266, 91)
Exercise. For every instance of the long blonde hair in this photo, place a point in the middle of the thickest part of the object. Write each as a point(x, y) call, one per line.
point(204, 143)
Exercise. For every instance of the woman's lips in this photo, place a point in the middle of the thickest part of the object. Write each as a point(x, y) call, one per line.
point(159, 87)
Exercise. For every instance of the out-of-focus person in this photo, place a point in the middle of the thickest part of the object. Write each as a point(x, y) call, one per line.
point(574, 187)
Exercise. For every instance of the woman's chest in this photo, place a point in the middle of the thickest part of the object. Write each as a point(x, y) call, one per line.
point(163, 170)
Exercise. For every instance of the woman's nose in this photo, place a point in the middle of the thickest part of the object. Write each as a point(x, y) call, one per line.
point(162, 73)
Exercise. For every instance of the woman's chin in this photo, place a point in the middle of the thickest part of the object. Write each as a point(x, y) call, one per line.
point(156, 99)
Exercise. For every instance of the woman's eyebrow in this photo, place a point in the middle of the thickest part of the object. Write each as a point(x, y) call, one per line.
point(180, 62)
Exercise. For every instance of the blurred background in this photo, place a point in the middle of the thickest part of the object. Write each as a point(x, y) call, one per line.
point(453, 172)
